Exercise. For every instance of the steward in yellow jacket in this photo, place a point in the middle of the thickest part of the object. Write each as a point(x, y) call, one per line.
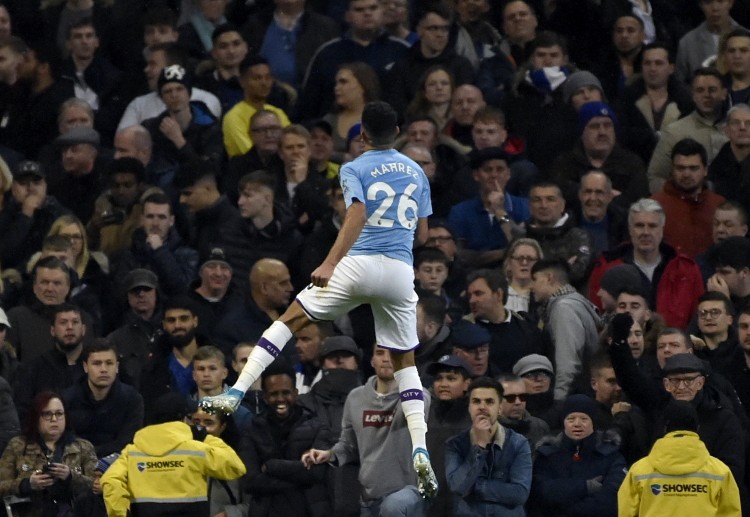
point(164, 471)
point(679, 477)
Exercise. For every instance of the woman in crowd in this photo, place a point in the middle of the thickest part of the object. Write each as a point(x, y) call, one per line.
point(356, 85)
point(223, 493)
point(433, 96)
point(47, 463)
point(522, 254)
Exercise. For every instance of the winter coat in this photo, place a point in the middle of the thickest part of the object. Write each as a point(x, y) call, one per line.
point(109, 423)
point(572, 322)
point(679, 477)
point(280, 485)
point(174, 263)
point(689, 218)
point(21, 458)
point(164, 472)
point(563, 242)
point(562, 468)
point(494, 480)
point(677, 282)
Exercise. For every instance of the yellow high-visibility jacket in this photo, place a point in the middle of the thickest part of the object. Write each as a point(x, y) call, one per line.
point(165, 466)
point(679, 477)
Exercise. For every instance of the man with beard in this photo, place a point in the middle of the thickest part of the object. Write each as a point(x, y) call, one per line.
point(99, 407)
point(688, 202)
point(170, 367)
point(271, 448)
point(58, 368)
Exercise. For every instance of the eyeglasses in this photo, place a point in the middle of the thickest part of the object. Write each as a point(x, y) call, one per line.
point(513, 396)
point(141, 289)
point(266, 129)
point(713, 313)
point(49, 415)
point(525, 259)
point(682, 381)
point(72, 236)
point(537, 375)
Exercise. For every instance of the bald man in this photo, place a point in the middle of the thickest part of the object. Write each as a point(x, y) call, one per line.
point(467, 100)
point(270, 291)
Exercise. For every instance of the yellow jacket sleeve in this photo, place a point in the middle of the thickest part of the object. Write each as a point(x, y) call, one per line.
point(221, 460)
point(115, 487)
point(628, 498)
point(729, 502)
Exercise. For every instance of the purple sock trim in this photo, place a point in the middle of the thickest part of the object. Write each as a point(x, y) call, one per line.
point(411, 395)
point(269, 347)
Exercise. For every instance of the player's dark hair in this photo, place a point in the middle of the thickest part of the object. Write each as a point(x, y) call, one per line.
point(380, 122)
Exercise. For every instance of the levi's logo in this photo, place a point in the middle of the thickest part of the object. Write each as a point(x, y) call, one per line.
point(377, 418)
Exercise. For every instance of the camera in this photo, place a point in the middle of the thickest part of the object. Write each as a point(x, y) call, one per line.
point(46, 467)
point(113, 217)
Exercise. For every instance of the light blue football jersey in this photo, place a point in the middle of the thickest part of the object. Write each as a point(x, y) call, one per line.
point(396, 193)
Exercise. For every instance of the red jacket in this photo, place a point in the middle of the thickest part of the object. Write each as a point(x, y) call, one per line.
point(689, 224)
point(680, 284)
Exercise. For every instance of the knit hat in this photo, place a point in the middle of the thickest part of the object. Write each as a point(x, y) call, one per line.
point(594, 109)
point(104, 463)
point(532, 363)
point(578, 80)
point(680, 415)
point(216, 254)
point(353, 132)
point(580, 404)
point(174, 74)
point(620, 277)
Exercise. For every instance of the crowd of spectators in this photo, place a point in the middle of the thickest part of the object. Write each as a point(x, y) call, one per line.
point(168, 172)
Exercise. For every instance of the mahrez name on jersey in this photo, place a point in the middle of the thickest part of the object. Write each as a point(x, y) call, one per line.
point(386, 168)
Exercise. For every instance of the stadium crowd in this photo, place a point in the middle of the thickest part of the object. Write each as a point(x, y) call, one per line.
point(169, 172)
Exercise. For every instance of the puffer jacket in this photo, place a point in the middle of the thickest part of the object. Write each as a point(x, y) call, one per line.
point(164, 472)
point(679, 477)
point(562, 468)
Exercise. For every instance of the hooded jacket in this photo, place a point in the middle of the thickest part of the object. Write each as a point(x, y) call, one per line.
point(165, 469)
point(679, 477)
point(572, 321)
point(562, 468)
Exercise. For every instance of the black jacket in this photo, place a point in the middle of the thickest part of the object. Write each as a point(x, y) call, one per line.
point(109, 424)
point(271, 449)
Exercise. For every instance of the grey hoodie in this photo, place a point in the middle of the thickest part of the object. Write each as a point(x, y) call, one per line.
point(572, 322)
point(374, 432)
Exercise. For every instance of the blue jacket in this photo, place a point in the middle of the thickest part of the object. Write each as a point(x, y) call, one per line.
point(563, 466)
point(491, 481)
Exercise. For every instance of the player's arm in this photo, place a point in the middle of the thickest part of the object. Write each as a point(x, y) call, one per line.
point(421, 236)
point(354, 221)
